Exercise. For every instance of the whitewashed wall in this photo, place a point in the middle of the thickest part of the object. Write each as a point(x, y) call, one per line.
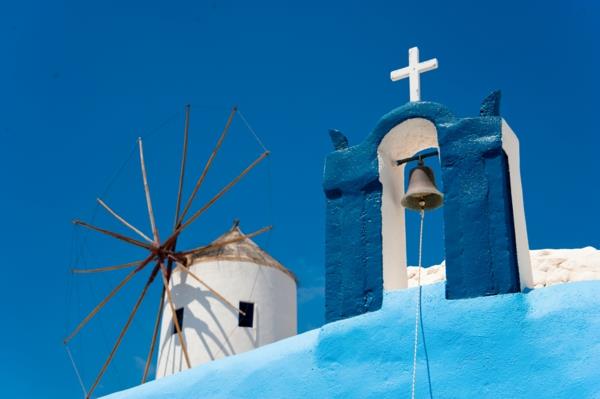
point(210, 327)
point(403, 141)
point(510, 145)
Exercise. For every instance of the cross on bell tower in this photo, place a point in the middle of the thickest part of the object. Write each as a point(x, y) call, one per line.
point(413, 72)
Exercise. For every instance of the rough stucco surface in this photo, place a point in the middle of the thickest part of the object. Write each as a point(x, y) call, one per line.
point(542, 344)
point(490, 106)
point(354, 274)
point(549, 267)
point(478, 225)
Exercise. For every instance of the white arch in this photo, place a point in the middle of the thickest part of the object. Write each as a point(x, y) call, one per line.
point(402, 141)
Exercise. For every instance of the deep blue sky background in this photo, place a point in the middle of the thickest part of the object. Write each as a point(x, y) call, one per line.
point(79, 82)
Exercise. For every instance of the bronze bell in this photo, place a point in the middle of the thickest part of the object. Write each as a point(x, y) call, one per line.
point(422, 192)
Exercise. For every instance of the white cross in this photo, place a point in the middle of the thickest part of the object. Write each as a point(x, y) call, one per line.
point(413, 72)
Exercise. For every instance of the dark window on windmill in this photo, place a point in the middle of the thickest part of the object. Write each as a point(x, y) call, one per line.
point(179, 316)
point(247, 319)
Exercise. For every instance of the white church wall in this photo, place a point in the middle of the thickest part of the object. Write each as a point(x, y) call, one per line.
point(510, 145)
point(210, 327)
point(402, 141)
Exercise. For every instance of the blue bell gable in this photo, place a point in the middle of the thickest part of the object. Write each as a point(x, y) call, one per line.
point(479, 226)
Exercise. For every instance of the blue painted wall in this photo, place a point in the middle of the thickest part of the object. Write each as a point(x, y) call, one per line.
point(478, 226)
point(543, 344)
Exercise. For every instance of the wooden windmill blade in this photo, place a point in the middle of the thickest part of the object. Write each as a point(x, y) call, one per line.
point(154, 336)
point(113, 234)
point(162, 252)
point(173, 247)
point(108, 268)
point(207, 166)
point(182, 167)
point(173, 314)
point(217, 196)
point(209, 288)
point(227, 242)
point(108, 298)
point(125, 222)
point(123, 332)
point(147, 192)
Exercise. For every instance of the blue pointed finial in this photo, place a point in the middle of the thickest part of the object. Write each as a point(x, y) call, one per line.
point(340, 142)
point(490, 106)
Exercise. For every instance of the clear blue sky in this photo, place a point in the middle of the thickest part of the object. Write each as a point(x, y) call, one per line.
point(79, 82)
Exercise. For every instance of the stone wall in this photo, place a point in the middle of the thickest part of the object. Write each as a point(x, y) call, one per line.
point(550, 267)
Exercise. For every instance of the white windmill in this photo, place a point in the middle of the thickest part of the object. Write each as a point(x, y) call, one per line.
point(243, 277)
point(206, 292)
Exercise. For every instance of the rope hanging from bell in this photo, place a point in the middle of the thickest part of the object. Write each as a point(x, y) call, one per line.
point(421, 195)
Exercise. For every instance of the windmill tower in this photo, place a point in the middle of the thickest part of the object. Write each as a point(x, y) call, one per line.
point(224, 298)
point(253, 303)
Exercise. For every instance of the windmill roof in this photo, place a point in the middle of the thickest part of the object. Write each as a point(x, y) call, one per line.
point(234, 247)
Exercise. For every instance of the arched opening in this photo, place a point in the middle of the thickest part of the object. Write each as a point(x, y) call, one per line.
point(433, 231)
point(404, 140)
